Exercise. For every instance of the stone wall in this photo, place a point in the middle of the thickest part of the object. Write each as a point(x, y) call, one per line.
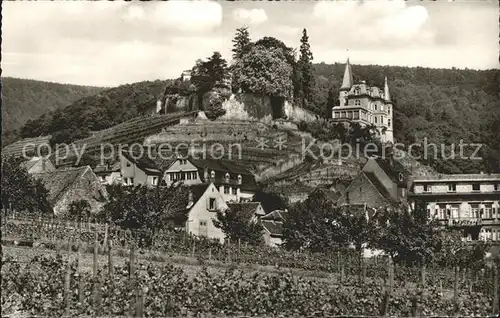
point(297, 114)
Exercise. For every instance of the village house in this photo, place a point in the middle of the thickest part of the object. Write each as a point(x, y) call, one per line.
point(235, 183)
point(469, 202)
point(252, 211)
point(138, 169)
point(272, 223)
point(109, 173)
point(381, 182)
point(38, 165)
point(204, 202)
point(67, 185)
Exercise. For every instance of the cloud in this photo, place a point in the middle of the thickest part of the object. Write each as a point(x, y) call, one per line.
point(392, 23)
point(250, 16)
point(188, 15)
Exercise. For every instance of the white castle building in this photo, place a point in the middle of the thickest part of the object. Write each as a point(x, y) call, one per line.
point(366, 105)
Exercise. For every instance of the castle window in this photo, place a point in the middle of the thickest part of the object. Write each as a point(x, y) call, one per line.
point(375, 106)
point(357, 102)
point(375, 119)
point(388, 110)
point(389, 122)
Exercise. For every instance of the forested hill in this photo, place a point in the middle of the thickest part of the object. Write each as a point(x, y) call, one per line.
point(24, 99)
point(444, 105)
point(103, 110)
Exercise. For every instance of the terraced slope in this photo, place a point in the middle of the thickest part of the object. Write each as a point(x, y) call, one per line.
point(127, 133)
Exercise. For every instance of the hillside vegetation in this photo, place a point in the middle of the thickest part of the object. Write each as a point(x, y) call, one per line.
point(24, 99)
point(103, 110)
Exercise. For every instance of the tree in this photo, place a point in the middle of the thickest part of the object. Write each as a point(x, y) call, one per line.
point(241, 43)
point(20, 190)
point(237, 226)
point(206, 74)
point(271, 201)
point(312, 224)
point(306, 68)
point(264, 71)
point(145, 208)
point(79, 210)
point(409, 237)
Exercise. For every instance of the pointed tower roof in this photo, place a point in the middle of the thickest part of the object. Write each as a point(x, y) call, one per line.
point(347, 81)
point(387, 95)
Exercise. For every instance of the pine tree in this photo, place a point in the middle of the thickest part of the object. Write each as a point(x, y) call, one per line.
point(306, 67)
point(241, 43)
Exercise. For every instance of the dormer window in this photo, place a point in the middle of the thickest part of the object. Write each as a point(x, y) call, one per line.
point(401, 178)
point(357, 91)
point(381, 107)
point(239, 179)
point(226, 176)
point(212, 174)
point(357, 102)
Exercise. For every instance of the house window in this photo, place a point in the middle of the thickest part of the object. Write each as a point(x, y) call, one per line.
point(212, 174)
point(203, 223)
point(452, 187)
point(171, 176)
point(131, 180)
point(239, 179)
point(357, 91)
point(226, 189)
point(211, 204)
point(488, 211)
point(128, 164)
point(357, 102)
point(496, 187)
point(226, 176)
point(388, 110)
point(375, 106)
point(388, 122)
point(475, 187)
point(382, 107)
point(375, 119)
point(188, 175)
point(234, 191)
point(195, 175)
point(474, 210)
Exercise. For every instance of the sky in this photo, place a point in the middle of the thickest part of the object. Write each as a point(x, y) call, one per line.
point(102, 43)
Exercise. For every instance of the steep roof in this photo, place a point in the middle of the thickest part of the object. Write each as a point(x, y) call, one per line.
point(276, 215)
point(378, 185)
point(30, 163)
point(246, 209)
point(347, 80)
point(142, 162)
point(274, 228)
point(219, 165)
point(59, 181)
point(115, 166)
point(393, 170)
point(197, 190)
point(328, 194)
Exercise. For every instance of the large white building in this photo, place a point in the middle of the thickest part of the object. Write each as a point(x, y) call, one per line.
point(467, 201)
point(366, 105)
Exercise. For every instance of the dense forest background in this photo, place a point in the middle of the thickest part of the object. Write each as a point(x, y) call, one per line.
point(24, 99)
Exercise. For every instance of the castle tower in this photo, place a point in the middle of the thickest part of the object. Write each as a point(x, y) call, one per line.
point(347, 83)
point(389, 135)
point(366, 105)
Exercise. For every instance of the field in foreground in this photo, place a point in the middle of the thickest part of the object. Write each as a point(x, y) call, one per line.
point(37, 282)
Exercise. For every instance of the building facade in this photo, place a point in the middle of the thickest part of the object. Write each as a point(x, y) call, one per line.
point(204, 202)
point(381, 182)
point(469, 202)
point(138, 170)
point(366, 105)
